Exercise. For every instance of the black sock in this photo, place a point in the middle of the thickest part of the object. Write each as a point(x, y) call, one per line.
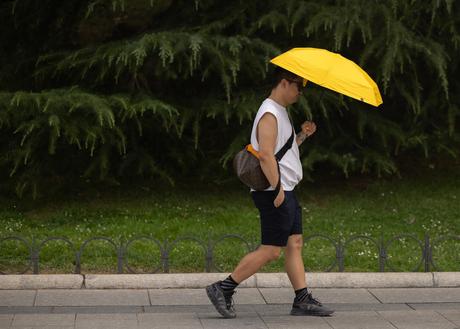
point(228, 284)
point(301, 294)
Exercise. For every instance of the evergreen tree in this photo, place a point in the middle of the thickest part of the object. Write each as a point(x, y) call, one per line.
point(116, 89)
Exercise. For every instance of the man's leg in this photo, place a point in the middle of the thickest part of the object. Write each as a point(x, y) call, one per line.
point(220, 293)
point(293, 261)
point(272, 236)
point(249, 265)
point(304, 303)
point(253, 261)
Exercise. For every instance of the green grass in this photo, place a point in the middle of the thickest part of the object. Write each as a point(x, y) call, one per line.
point(426, 203)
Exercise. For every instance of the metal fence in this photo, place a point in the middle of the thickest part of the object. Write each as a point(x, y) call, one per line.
point(426, 262)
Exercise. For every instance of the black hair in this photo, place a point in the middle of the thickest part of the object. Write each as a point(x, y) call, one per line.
point(279, 74)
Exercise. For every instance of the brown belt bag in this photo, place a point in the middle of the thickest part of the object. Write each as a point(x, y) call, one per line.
point(247, 166)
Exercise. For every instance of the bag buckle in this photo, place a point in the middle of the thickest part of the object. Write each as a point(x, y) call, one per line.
point(251, 150)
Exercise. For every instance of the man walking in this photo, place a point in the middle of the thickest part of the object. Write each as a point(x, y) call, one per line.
point(280, 212)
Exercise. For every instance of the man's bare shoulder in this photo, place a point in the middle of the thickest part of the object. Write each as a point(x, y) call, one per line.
point(267, 128)
point(268, 119)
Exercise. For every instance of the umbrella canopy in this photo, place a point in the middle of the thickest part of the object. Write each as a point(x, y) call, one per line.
point(331, 70)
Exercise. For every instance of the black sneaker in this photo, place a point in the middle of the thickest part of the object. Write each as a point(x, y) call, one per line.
point(222, 300)
point(310, 306)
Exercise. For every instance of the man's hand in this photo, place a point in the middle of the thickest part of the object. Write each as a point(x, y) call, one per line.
point(308, 128)
point(279, 198)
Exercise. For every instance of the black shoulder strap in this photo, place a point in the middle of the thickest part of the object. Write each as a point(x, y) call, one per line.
point(279, 155)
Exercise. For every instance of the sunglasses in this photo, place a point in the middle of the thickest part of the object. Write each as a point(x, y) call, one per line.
point(300, 83)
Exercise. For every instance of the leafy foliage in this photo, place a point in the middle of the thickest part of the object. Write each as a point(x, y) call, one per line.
point(115, 89)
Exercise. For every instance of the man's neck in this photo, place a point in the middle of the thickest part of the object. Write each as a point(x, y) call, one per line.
point(275, 97)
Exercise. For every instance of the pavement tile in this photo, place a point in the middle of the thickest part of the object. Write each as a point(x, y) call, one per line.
point(295, 322)
point(17, 297)
point(250, 296)
point(243, 320)
point(178, 309)
point(92, 297)
point(452, 315)
point(344, 296)
point(5, 320)
point(106, 321)
point(417, 295)
point(97, 309)
point(326, 296)
point(352, 307)
point(43, 320)
point(284, 309)
point(433, 306)
point(270, 309)
point(199, 297)
point(45, 327)
point(178, 297)
point(168, 320)
point(25, 309)
point(422, 319)
point(358, 320)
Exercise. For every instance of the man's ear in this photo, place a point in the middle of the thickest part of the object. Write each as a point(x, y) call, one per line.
point(284, 83)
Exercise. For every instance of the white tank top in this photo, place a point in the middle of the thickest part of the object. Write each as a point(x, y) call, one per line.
point(290, 166)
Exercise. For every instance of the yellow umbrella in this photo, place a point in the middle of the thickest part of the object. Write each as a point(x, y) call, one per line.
point(332, 71)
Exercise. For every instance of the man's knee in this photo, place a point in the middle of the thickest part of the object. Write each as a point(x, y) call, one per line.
point(272, 253)
point(295, 243)
point(275, 254)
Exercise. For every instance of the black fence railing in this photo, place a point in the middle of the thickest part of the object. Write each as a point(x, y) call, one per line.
point(426, 256)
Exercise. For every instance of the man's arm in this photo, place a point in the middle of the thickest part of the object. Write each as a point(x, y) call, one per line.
point(308, 129)
point(300, 138)
point(267, 133)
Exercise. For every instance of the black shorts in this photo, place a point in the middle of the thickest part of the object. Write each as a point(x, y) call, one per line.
point(277, 224)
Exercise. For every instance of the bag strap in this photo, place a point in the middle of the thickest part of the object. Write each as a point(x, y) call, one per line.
point(279, 155)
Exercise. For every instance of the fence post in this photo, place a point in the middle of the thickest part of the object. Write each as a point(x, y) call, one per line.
point(34, 256)
point(120, 255)
point(165, 257)
point(382, 254)
point(209, 256)
point(340, 256)
point(427, 253)
point(78, 262)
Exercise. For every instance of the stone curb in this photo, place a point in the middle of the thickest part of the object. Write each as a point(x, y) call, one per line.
point(155, 281)
point(41, 281)
point(200, 280)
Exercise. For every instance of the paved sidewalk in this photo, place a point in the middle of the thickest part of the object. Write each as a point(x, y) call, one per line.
point(419, 308)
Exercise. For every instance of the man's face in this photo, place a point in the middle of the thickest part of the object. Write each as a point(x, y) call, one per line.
point(293, 89)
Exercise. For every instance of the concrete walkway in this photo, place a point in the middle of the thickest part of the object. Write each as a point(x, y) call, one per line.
point(375, 308)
